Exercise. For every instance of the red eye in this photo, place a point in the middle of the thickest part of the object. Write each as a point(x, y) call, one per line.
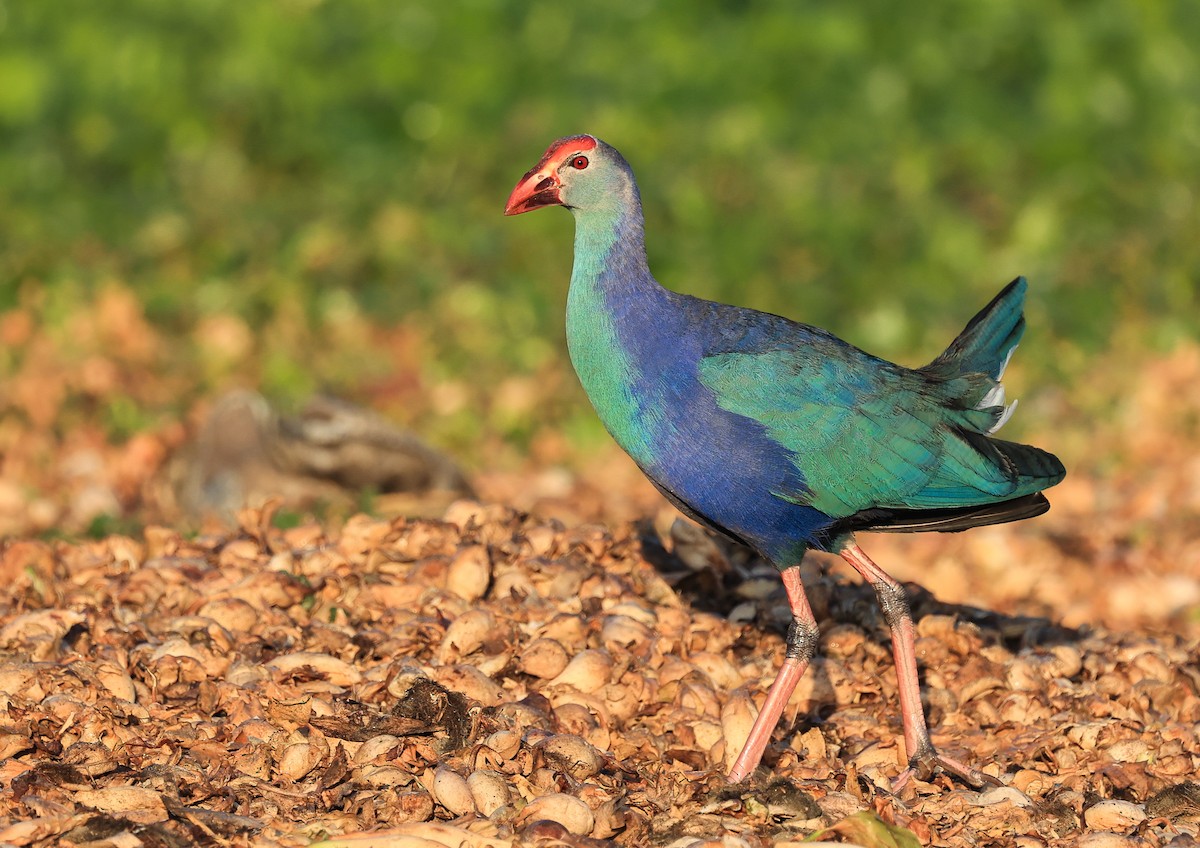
point(579, 163)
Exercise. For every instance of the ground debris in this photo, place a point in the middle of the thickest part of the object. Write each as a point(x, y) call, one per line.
point(554, 668)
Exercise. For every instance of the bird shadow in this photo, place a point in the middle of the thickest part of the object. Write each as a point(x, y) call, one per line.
point(838, 599)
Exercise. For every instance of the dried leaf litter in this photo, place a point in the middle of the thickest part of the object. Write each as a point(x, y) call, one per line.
point(506, 680)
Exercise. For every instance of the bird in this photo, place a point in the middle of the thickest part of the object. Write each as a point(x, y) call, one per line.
point(778, 434)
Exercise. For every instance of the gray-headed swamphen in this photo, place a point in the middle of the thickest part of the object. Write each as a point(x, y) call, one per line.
point(780, 435)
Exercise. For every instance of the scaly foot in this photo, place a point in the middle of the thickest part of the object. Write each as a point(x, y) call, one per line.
point(927, 763)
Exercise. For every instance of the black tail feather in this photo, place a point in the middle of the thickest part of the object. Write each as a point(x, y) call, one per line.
point(944, 520)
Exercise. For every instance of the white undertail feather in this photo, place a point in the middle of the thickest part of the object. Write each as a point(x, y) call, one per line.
point(993, 399)
point(1003, 419)
point(1004, 364)
point(995, 396)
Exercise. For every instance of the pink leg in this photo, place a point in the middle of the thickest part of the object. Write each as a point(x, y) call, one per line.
point(801, 644)
point(923, 758)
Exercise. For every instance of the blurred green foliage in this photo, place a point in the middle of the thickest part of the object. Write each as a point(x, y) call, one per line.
point(876, 169)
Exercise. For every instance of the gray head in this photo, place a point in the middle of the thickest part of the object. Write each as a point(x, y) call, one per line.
point(579, 172)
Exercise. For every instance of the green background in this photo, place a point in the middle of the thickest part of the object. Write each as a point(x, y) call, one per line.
point(876, 168)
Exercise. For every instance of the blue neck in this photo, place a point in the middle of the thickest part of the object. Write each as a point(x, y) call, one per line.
point(613, 301)
point(610, 252)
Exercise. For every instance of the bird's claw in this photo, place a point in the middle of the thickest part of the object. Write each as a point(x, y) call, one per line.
point(924, 765)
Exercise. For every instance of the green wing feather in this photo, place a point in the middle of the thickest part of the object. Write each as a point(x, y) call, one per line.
point(866, 433)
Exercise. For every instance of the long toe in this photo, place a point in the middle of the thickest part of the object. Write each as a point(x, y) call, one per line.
point(925, 765)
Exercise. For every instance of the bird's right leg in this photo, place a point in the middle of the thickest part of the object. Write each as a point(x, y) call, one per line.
point(923, 758)
point(801, 645)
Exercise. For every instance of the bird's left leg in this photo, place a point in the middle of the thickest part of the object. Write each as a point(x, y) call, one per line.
point(801, 645)
point(923, 758)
